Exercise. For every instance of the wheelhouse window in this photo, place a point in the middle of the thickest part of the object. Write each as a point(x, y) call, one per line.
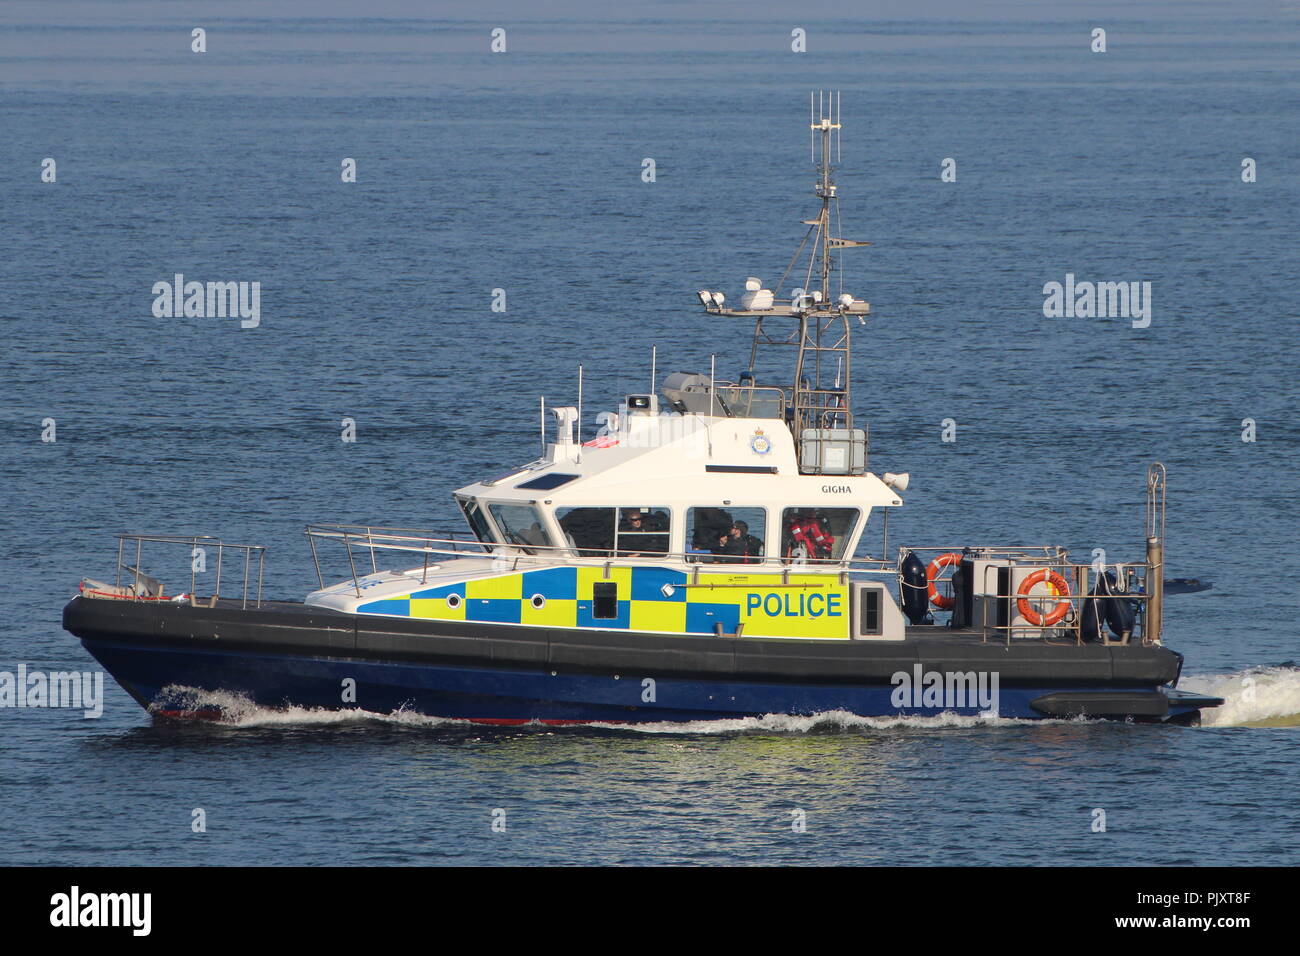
point(816, 534)
point(520, 525)
point(476, 520)
point(642, 532)
point(726, 535)
point(589, 531)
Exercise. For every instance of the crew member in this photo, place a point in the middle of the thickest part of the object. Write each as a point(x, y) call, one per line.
point(632, 530)
point(738, 545)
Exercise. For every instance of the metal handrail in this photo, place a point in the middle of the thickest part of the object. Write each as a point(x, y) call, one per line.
point(405, 539)
point(1081, 579)
point(193, 541)
point(733, 406)
point(414, 541)
point(431, 544)
point(1002, 550)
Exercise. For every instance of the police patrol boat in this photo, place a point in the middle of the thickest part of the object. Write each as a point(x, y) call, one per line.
point(701, 558)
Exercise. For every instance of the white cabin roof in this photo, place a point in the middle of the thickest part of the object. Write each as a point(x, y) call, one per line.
point(682, 460)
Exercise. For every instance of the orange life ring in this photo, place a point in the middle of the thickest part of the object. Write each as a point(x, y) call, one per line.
point(941, 601)
point(1028, 612)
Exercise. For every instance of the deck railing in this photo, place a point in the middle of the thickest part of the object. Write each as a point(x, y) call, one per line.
point(994, 611)
point(1132, 583)
point(142, 586)
point(436, 546)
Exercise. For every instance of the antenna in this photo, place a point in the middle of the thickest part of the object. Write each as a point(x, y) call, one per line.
point(713, 366)
point(654, 359)
point(543, 422)
point(827, 122)
point(579, 413)
point(824, 116)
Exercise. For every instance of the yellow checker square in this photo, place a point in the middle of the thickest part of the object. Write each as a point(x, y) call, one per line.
point(669, 616)
point(728, 588)
point(820, 580)
point(716, 577)
point(590, 576)
point(554, 613)
point(756, 579)
point(437, 609)
point(507, 586)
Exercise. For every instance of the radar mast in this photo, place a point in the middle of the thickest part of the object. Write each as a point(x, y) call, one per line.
point(812, 317)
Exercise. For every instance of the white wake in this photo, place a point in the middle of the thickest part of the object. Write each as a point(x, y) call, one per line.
point(237, 710)
point(1259, 695)
point(232, 709)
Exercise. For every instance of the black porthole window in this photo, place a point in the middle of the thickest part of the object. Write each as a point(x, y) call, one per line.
point(539, 601)
point(453, 601)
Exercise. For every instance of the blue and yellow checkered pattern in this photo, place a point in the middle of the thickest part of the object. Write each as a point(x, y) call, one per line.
point(652, 599)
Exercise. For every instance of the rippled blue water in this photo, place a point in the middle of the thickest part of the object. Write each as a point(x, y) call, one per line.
point(522, 171)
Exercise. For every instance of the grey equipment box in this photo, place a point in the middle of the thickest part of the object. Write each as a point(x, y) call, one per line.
point(833, 451)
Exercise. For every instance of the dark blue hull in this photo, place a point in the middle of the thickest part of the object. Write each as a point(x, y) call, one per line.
point(493, 695)
point(282, 654)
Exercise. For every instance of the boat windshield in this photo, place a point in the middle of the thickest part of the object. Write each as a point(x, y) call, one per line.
point(520, 524)
point(476, 521)
point(751, 401)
